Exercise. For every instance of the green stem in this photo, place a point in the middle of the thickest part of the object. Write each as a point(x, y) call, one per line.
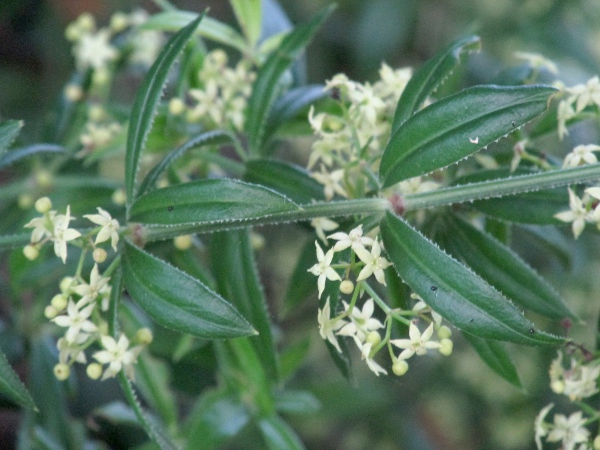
point(499, 188)
point(306, 212)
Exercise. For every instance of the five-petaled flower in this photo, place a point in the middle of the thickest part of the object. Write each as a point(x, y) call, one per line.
point(374, 262)
point(117, 355)
point(76, 320)
point(323, 268)
point(109, 227)
point(417, 343)
point(327, 325)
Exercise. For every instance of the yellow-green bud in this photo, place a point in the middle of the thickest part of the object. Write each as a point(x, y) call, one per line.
point(118, 197)
point(43, 205)
point(99, 255)
point(65, 284)
point(346, 287)
point(183, 242)
point(257, 240)
point(62, 371)
point(144, 336)
point(43, 178)
point(103, 328)
point(446, 347)
point(25, 201)
point(118, 22)
point(31, 252)
point(373, 338)
point(100, 77)
point(400, 367)
point(59, 302)
point(597, 443)
point(558, 386)
point(50, 312)
point(73, 92)
point(96, 113)
point(444, 332)
point(94, 371)
point(176, 106)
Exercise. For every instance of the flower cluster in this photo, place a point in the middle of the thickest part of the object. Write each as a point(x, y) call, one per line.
point(349, 144)
point(223, 99)
point(577, 382)
point(80, 305)
point(360, 324)
point(579, 98)
point(582, 210)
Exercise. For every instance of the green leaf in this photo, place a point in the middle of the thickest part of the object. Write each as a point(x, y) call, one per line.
point(292, 357)
point(20, 153)
point(9, 130)
point(12, 387)
point(266, 87)
point(278, 434)
point(496, 357)
point(209, 28)
point(209, 201)
point(146, 102)
point(290, 104)
point(460, 296)
point(296, 402)
point(217, 416)
point(235, 270)
point(503, 269)
point(430, 76)
point(291, 180)
point(248, 15)
point(216, 137)
point(457, 126)
point(176, 300)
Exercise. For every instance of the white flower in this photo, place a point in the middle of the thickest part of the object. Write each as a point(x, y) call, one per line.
point(570, 430)
point(581, 381)
point(537, 61)
point(331, 182)
point(98, 135)
point(577, 214)
point(354, 239)
point(62, 234)
point(89, 292)
point(71, 351)
point(117, 355)
point(361, 323)
point(42, 226)
point(109, 230)
point(417, 185)
point(327, 325)
point(580, 155)
point(77, 321)
point(541, 428)
point(421, 306)
point(564, 113)
point(366, 355)
point(94, 50)
point(322, 224)
point(374, 263)
point(323, 268)
point(417, 344)
point(588, 94)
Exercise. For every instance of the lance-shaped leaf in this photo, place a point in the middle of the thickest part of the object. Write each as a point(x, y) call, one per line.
point(503, 269)
point(237, 278)
point(248, 15)
point(176, 300)
point(145, 104)
point(496, 357)
point(266, 87)
point(461, 297)
point(278, 435)
point(216, 137)
point(209, 201)
point(292, 181)
point(457, 126)
point(12, 387)
point(430, 75)
point(20, 153)
point(9, 130)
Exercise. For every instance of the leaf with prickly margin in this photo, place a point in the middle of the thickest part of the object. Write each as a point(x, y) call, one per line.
point(12, 387)
point(266, 87)
point(461, 297)
point(496, 357)
point(216, 137)
point(9, 130)
point(503, 269)
point(145, 105)
point(457, 126)
point(177, 301)
point(430, 76)
point(210, 28)
point(209, 201)
point(20, 153)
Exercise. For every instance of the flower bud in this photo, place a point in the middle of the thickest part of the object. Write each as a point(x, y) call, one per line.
point(61, 371)
point(144, 336)
point(100, 77)
point(65, 284)
point(73, 92)
point(59, 302)
point(183, 242)
point(43, 205)
point(96, 113)
point(346, 287)
point(558, 386)
point(50, 312)
point(400, 367)
point(444, 332)
point(94, 371)
point(25, 201)
point(597, 443)
point(118, 22)
point(31, 252)
point(257, 241)
point(99, 255)
point(43, 178)
point(176, 106)
point(373, 338)
point(446, 346)
point(118, 197)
